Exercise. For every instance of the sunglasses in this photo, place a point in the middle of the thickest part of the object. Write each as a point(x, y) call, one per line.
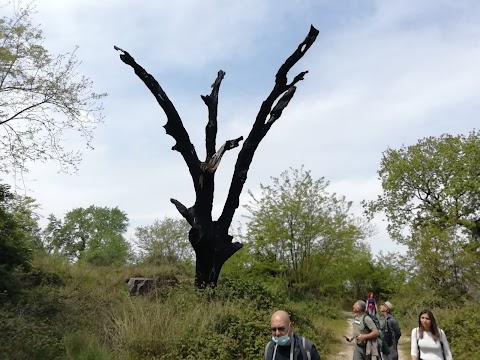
point(279, 329)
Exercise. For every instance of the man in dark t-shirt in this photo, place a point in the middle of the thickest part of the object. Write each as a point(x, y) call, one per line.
point(285, 344)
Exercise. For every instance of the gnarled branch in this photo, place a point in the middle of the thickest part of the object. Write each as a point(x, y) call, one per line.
point(261, 127)
point(188, 214)
point(212, 164)
point(212, 103)
point(174, 126)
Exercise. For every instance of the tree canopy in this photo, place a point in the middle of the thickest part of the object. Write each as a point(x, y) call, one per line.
point(431, 198)
point(94, 235)
point(298, 226)
point(165, 241)
point(14, 241)
point(43, 98)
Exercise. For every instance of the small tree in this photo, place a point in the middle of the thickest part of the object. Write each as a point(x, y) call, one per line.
point(210, 239)
point(41, 97)
point(164, 241)
point(297, 225)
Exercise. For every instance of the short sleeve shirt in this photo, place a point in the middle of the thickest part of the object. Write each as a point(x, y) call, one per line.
point(359, 327)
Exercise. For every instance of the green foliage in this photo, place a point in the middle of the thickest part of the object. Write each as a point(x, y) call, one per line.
point(34, 333)
point(42, 97)
point(237, 289)
point(14, 240)
point(297, 228)
point(165, 241)
point(431, 197)
point(81, 346)
point(93, 235)
point(461, 326)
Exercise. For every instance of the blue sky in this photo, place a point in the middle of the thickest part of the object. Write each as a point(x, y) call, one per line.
point(381, 74)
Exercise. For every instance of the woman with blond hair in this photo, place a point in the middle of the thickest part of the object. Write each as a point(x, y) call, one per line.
point(429, 342)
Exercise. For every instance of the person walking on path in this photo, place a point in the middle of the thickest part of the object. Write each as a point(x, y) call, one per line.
point(365, 334)
point(371, 304)
point(285, 344)
point(429, 342)
point(391, 330)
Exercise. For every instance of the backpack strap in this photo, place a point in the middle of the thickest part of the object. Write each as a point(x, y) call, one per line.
point(268, 354)
point(441, 343)
point(307, 345)
point(365, 324)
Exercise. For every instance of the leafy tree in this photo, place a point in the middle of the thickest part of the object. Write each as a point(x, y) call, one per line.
point(14, 250)
point(42, 97)
point(164, 241)
point(298, 227)
point(94, 235)
point(25, 210)
point(431, 198)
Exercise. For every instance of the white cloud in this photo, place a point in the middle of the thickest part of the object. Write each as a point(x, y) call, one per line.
point(380, 75)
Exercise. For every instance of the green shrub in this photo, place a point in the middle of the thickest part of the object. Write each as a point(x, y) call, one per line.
point(80, 312)
point(461, 327)
point(81, 346)
point(237, 289)
point(25, 337)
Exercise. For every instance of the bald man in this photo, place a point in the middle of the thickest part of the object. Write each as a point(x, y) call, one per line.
point(285, 345)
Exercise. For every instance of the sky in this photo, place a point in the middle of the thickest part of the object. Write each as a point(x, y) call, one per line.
point(381, 74)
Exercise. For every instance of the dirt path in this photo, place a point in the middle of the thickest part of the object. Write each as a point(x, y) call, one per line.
point(346, 353)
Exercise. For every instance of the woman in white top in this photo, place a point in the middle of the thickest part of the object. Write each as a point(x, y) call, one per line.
point(428, 341)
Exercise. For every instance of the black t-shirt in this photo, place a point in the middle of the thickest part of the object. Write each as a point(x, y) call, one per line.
point(283, 352)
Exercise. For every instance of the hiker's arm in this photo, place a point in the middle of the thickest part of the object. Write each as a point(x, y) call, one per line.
point(396, 330)
point(446, 346)
point(414, 347)
point(314, 353)
point(371, 335)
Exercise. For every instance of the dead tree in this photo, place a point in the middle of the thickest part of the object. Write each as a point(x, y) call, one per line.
point(210, 239)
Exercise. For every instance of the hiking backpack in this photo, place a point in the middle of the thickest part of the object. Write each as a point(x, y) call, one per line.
point(383, 343)
point(388, 333)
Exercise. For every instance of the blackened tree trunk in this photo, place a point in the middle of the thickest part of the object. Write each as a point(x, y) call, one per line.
point(210, 239)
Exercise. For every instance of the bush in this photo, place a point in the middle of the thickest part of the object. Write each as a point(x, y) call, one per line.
point(81, 312)
point(461, 327)
point(237, 289)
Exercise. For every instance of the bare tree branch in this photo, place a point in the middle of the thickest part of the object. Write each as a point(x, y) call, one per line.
point(174, 126)
point(188, 214)
point(260, 128)
point(212, 103)
point(212, 164)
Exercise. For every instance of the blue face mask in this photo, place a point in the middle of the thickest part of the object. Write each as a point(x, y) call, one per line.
point(282, 340)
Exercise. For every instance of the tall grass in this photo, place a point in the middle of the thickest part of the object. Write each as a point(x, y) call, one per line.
point(80, 312)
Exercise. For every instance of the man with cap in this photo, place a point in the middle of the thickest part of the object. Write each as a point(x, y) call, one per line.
point(285, 344)
point(391, 330)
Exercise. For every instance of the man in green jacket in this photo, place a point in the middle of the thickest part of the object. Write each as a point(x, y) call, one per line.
point(364, 331)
